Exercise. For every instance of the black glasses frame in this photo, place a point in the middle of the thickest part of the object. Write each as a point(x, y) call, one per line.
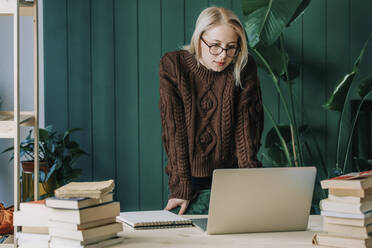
point(223, 49)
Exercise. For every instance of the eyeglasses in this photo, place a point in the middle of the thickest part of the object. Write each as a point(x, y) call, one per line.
point(217, 50)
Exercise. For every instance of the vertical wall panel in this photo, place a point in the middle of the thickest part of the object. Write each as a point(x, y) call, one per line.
point(103, 90)
point(236, 7)
point(173, 21)
point(126, 64)
point(79, 87)
point(314, 80)
point(101, 74)
point(337, 44)
point(55, 66)
point(221, 3)
point(192, 11)
point(150, 129)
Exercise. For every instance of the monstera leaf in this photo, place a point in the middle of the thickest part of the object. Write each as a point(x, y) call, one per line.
point(265, 20)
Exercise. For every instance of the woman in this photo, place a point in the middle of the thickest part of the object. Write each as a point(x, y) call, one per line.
point(210, 104)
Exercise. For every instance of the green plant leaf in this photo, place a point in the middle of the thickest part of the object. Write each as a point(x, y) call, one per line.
point(49, 129)
point(51, 171)
point(277, 157)
point(265, 20)
point(57, 150)
point(42, 176)
point(293, 71)
point(299, 11)
point(68, 133)
point(252, 5)
point(72, 145)
point(273, 56)
point(43, 134)
point(272, 140)
point(8, 150)
point(365, 86)
point(363, 164)
point(336, 172)
point(337, 100)
point(361, 54)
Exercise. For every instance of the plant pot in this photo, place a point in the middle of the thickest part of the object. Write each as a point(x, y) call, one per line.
point(45, 188)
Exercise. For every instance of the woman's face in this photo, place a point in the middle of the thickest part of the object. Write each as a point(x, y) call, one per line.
point(223, 36)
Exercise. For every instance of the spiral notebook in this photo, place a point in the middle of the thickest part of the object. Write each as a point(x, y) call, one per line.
point(153, 219)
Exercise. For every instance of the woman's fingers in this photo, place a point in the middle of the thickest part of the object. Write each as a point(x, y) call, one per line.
point(184, 206)
point(170, 205)
point(173, 203)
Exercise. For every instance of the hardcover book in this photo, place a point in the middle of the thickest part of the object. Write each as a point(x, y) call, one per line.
point(85, 189)
point(77, 202)
point(325, 239)
point(354, 180)
point(89, 214)
point(352, 208)
point(86, 234)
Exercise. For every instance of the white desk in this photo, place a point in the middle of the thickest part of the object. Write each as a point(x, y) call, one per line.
point(193, 237)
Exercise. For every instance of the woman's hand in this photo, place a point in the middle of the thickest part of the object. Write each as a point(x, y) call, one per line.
point(175, 202)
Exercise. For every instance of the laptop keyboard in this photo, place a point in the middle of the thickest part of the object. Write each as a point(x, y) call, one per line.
point(201, 223)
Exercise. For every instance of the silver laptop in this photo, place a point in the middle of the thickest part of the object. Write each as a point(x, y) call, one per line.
point(259, 200)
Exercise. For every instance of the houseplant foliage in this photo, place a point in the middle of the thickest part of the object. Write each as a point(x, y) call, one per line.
point(265, 22)
point(58, 151)
point(338, 102)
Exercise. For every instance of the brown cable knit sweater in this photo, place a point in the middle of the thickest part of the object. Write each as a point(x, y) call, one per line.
point(207, 121)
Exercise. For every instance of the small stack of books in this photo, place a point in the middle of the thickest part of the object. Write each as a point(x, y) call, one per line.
point(84, 215)
point(33, 220)
point(347, 213)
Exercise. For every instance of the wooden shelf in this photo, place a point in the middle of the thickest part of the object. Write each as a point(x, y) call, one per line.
point(7, 122)
point(8, 8)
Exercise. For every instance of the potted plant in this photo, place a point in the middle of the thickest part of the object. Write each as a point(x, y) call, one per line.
point(57, 155)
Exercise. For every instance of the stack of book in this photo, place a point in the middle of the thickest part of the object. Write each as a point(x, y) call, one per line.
point(33, 220)
point(347, 213)
point(84, 215)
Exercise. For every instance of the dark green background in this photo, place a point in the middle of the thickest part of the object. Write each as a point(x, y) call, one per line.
point(101, 74)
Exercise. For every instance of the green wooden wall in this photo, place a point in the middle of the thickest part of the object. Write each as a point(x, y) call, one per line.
point(101, 74)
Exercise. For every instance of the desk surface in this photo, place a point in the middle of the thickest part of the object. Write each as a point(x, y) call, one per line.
point(194, 237)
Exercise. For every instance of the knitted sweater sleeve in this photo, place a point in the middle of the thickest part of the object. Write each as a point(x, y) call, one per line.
point(174, 133)
point(250, 118)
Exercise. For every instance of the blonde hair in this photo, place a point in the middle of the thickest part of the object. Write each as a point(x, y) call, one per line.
point(215, 16)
